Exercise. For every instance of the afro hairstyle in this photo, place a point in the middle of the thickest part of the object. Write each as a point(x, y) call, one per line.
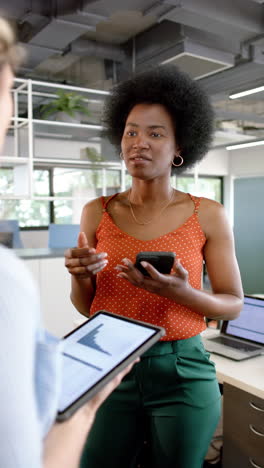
point(183, 98)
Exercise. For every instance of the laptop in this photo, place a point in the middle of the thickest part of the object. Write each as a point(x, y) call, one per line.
point(243, 337)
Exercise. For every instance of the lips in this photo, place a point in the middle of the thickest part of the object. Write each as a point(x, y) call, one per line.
point(139, 157)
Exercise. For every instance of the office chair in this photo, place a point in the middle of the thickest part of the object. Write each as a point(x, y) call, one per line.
point(12, 226)
point(62, 236)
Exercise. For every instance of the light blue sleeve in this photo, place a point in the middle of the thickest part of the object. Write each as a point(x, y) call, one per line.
point(48, 377)
point(26, 412)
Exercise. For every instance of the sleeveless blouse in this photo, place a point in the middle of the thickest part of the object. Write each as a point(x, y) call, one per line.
point(117, 295)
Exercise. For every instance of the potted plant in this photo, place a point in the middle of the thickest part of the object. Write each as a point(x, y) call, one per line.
point(67, 107)
point(91, 154)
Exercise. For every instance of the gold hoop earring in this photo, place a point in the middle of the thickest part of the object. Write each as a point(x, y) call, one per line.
point(121, 155)
point(181, 162)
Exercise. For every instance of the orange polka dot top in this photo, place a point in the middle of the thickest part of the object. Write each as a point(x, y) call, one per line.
point(120, 297)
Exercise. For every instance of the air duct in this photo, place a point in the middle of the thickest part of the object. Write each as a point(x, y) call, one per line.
point(199, 61)
point(86, 48)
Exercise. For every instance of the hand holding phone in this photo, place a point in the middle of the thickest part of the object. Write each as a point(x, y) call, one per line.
point(162, 261)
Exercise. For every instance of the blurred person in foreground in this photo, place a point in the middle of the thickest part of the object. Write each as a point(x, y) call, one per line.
point(30, 358)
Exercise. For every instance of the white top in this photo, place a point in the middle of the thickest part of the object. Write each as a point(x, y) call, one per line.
point(29, 368)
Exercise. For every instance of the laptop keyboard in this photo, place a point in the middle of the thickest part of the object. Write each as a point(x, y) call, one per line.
point(235, 344)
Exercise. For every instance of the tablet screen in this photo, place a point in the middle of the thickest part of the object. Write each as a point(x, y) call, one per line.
point(95, 349)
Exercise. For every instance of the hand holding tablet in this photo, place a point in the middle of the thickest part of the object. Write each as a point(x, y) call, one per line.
point(96, 352)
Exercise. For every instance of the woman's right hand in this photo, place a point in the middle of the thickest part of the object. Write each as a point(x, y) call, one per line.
point(83, 261)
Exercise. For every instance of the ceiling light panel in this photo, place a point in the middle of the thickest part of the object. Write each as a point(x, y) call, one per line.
point(245, 145)
point(247, 92)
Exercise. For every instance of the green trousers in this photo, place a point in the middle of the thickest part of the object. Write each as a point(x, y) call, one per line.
point(171, 398)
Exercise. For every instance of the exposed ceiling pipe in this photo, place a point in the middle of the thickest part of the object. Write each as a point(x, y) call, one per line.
point(64, 7)
point(31, 23)
point(259, 38)
point(88, 27)
point(86, 14)
point(234, 79)
point(85, 47)
point(44, 8)
point(50, 34)
point(225, 114)
point(158, 9)
point(219, 16)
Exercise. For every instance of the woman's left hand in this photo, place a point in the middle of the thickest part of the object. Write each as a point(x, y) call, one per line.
point(174, 286)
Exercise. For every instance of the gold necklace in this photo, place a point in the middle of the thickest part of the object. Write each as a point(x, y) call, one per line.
point(149, 221)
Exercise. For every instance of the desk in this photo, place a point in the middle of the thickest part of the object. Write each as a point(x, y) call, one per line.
point(243, 428)
point(247, 375)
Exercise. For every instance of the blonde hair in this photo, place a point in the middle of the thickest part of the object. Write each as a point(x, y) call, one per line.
point(10, 52)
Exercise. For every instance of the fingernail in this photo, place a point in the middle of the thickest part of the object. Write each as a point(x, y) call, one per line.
point(144, 264)
point(126, 261)
point(102, 255)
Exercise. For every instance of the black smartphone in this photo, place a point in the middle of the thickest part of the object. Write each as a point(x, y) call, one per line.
point(162, 261)
point(96, 352)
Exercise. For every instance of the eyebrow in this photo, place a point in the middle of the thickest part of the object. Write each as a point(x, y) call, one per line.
point(132, 124)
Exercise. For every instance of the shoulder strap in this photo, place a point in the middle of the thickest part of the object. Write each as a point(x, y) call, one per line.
point(106, 200)
point(196, 201)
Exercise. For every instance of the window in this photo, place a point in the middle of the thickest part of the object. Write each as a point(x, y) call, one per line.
point(206, 186)
point(6, 181)
point(61, 192)
point(82, 185)
point(113, 182)
point(78, 185)
point(29, 213)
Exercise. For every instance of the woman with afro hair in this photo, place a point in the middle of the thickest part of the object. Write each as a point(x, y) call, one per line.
point(161, 122)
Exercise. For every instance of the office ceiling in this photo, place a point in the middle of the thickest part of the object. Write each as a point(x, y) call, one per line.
point(99, 42)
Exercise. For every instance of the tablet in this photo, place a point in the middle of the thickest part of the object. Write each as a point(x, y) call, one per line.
point(97, 351)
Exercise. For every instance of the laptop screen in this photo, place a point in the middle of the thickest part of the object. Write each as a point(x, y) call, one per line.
point(250, 323)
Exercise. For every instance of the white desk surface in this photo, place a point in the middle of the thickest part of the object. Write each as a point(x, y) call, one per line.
point(247, 375)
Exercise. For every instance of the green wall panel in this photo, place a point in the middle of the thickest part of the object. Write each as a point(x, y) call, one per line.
point(249, 232)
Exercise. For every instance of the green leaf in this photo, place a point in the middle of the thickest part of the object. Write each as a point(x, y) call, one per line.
point(65, 102)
